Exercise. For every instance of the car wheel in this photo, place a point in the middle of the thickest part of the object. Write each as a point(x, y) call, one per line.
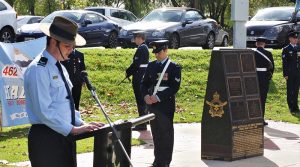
point(112, 40)
point(174, 41)
point(7, 35)
point(225, 41)
point(210, 41)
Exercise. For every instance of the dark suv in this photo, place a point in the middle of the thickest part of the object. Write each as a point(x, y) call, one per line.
point(274, 24)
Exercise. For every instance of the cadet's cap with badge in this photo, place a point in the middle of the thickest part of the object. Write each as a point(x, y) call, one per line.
point(141, 34)
point(63, 30)
point(159, 45)
point(293, 34)
point(261, 39)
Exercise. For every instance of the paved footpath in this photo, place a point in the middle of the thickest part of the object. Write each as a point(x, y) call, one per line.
point(281, 141)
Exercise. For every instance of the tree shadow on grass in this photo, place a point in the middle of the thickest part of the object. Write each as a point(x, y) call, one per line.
point(14, 133)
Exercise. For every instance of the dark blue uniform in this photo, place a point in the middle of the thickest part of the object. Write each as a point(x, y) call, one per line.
point(265, 70)
point(162, 126)
point(74, 66)
point(291, 69)
point(137, 70)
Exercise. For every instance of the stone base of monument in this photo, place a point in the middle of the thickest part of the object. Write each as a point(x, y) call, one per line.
point(232, 123)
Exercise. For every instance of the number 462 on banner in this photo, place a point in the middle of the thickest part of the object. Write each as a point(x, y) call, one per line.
point(10, 71)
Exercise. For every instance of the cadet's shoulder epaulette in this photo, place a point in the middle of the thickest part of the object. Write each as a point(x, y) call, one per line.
point(153, 62)
point(174, 63)
point(143, 46)
point(42, 62)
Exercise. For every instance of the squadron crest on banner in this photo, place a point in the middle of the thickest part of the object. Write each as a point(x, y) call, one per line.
point(216, 106)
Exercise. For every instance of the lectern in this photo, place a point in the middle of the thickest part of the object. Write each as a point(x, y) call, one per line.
point(107, 153)
point(232, 123)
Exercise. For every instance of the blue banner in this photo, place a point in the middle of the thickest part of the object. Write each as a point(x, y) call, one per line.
point(14, 59)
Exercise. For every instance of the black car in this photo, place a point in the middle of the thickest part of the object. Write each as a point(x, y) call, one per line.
point(180, 25)
point(274, 24)
point(95, 28)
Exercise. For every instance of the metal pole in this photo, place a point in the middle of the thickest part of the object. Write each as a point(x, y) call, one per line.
point(239, 16)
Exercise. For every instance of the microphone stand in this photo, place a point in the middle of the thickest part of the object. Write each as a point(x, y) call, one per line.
point(94, 94)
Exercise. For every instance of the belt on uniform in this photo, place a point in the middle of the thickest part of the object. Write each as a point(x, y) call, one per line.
point(261, 69)
point(143, 65)
point(161, 88)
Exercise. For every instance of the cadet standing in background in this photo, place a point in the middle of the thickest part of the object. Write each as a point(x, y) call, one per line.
point(159, 87)
point(291, 71)
point(74, 65)
point(265, 68)
point(137, 70)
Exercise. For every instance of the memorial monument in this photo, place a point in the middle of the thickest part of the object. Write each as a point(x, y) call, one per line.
point(232, 123)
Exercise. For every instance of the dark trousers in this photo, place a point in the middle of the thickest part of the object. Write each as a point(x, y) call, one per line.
point(163, 137)
point(76, 93)
point(48, 148)
point(141, 105)
point(263, 80)
point(292, 92)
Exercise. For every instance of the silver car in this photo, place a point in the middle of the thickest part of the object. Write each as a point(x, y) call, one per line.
point(8, 22)
point(120, 16)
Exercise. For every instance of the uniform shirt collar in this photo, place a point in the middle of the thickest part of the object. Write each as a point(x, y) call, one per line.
point(50, 58)
point(163, 61)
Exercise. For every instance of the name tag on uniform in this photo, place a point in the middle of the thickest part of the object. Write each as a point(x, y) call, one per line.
point(165, 77)
point(55, 77)
point(298, 54)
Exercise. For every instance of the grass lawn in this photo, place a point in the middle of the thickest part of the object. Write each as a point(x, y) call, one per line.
point(106, 69)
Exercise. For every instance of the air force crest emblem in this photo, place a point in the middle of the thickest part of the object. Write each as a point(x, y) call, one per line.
point(216, 106)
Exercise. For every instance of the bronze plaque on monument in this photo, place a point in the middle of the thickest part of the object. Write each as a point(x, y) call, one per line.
point(232, 123)
point(248, 65)
point(254, 108)
point(231, 63)
point(251, 85)
point(238, 110)
point(234, 86)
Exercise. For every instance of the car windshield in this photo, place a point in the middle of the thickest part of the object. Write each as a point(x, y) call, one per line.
point(164, 16)
point(75, 16)
point(271, 14)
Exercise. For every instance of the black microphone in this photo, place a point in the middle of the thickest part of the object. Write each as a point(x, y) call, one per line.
point(84, 77)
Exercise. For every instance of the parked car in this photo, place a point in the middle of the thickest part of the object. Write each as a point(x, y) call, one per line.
point(273, 24)
point(182, 26)
point(121, 16)
point(27, 19)
point(94, 27)
point(8, 22)
point(222, 38)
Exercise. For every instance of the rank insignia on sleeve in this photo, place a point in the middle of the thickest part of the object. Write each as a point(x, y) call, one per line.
point(216, 106)
point(177, 79)
point(55, 77)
